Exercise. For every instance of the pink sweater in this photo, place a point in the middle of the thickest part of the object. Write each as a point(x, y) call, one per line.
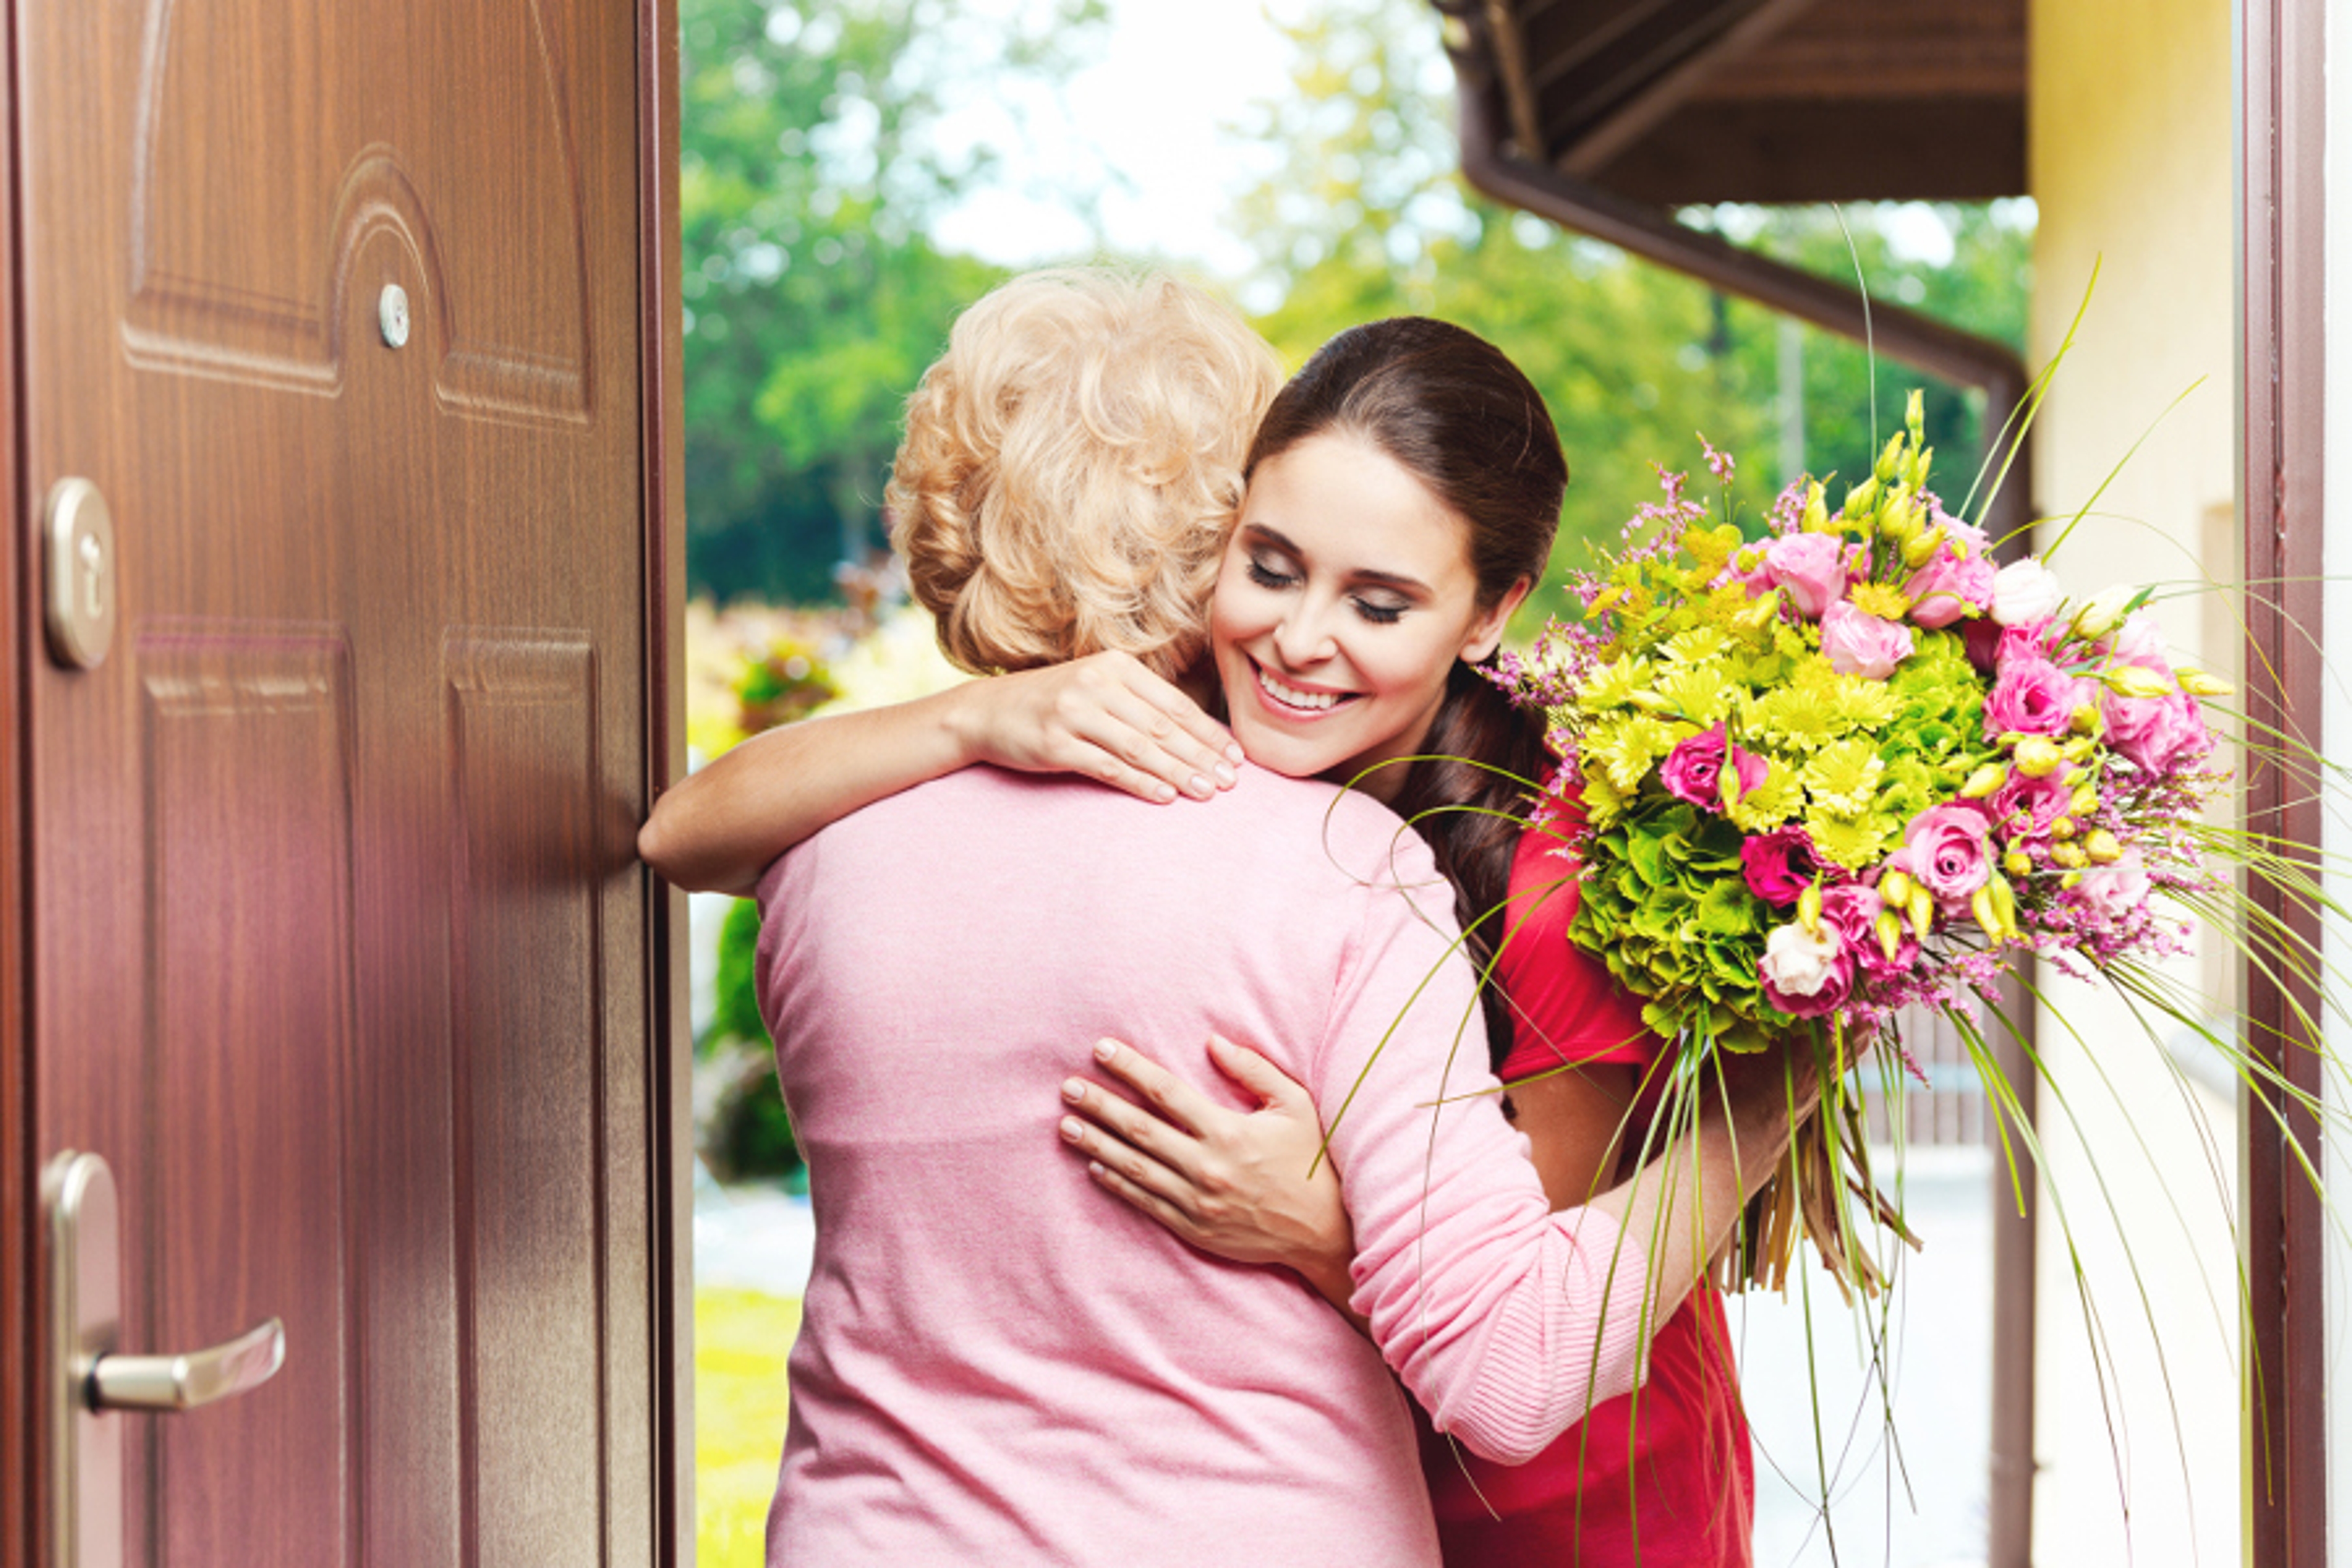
point(1001, 1365)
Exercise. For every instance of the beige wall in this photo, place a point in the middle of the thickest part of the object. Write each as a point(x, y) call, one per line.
point(2131, 122)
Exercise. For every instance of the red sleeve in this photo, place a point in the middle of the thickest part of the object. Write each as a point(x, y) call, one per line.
point(1565, 1008)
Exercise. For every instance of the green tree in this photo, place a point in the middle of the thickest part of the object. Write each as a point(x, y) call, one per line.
point(815, 151)
point(1368, 216)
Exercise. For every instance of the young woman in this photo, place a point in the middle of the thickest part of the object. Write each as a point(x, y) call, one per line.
point(1401, 499)
point(1360, 477)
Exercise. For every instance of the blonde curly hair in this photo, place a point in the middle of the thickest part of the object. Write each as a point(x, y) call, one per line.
point(1072, 465)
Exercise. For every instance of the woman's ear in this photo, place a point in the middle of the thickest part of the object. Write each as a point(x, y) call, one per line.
point(1486, 631)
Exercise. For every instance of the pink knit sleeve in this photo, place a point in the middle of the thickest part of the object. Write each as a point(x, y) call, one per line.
point(1505, 1321)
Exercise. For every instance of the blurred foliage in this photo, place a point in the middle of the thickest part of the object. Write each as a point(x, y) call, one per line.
point(812, 161)
point(1368, 216)
point(735, 1010)
point(784, 681)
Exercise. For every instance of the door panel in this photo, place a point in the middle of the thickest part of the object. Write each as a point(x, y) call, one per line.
point(340, 957)
point(246, 732)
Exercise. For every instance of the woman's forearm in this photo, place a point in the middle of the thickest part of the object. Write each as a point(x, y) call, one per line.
point(716, 830)
point(1680, 1207)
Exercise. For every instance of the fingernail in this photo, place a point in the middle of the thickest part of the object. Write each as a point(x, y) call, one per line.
point(1073, 1090)
point(1163, 792)
point(1226, 775)
point(1234, 752)
point(1094, 1168)
point(1105, 1049)
point(1201, 788)
point(1072, 1129)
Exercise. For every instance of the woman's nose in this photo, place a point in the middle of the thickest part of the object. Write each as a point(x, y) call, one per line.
point(1303, 636)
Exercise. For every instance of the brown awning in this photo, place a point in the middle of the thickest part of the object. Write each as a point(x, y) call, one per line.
point(1678, 101)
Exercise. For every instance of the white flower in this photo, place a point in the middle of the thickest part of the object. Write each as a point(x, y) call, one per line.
point(1799, 963)
point(2104, 612)
point(2024, 591)
point(2141, 641)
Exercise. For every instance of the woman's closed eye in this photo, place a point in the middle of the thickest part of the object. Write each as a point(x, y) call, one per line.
point(1266, 574)
point(1277, 575)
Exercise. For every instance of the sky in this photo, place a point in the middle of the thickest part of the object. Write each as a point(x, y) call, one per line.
point(1143, 124)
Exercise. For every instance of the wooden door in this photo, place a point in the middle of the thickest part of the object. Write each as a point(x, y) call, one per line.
point(340, 954)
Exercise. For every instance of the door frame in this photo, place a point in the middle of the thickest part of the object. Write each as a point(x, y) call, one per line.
point(662, 525)
point(2282, 93)
point(662, 451)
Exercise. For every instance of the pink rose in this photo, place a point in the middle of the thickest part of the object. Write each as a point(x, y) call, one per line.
point(2031, 640)
point(1806, 975)
point(2025, 807)
point(1967, 535)
point(1948, 851)
point(1983, 639)
point(1859, 642)
point(2031, 696)
point(1693, 770)
point(2161, 735)
point(1812, 567)
point(2113, 893)
point(1779, 865)
point(1947, 588)
point(1853, 909)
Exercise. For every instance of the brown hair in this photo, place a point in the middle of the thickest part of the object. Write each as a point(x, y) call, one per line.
point(1450, 408)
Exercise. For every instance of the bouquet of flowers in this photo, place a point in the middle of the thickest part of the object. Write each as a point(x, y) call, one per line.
point(1851, 768)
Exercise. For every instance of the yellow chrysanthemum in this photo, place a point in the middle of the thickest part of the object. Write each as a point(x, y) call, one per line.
point(1859, 702)
point(1698, 693)
point(1884, 600)
point(1696, 646)
point(1611, 686)
point(1843, 776)
point(1711, 549)
point(1853, 843)
point(1771, 803)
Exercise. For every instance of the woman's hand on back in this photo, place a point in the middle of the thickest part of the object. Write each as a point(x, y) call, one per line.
point(1236, 1184)
point(1105, 716)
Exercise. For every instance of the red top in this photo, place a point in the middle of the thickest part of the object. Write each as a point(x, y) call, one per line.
point(1672, 1457)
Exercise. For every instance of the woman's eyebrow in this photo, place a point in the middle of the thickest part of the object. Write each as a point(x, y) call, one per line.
point(1397, 580)
point(1277, 540)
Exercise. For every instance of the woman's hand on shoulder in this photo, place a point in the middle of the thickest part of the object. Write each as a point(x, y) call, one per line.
point(1253, 1186)
point(1105, 716)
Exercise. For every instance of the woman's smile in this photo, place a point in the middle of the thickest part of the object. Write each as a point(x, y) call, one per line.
point(1296, 700)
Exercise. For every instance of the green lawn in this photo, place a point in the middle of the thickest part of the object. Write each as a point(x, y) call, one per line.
point(741, 1339)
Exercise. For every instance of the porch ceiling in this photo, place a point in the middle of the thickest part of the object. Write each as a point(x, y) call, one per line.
point(1677, 101)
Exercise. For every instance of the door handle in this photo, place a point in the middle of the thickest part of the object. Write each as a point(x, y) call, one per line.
point(89, 1381)
point(168, 1382)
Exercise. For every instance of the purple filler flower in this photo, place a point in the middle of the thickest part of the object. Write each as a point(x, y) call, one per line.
point(1693, 770)
point(1779, 865)
point(1947, 851)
